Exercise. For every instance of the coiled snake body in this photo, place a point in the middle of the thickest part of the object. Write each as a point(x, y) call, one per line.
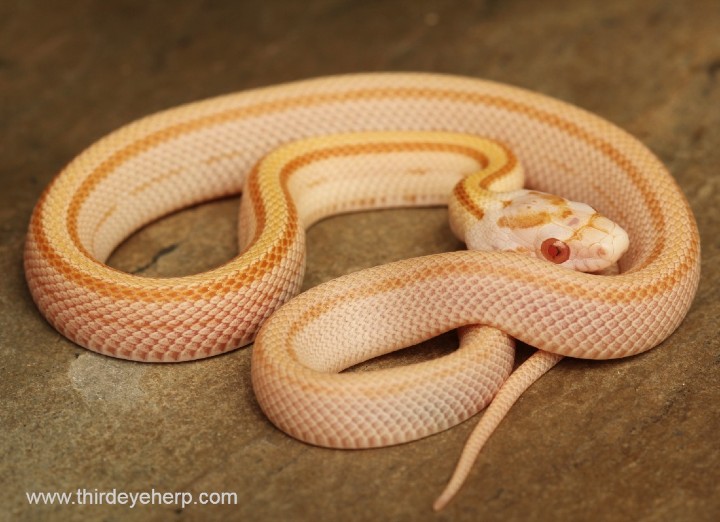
point(204, 150)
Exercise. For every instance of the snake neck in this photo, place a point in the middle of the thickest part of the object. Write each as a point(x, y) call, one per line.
point(483, 221)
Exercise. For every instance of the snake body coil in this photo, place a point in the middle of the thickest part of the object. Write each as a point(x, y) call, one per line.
point(205, 150)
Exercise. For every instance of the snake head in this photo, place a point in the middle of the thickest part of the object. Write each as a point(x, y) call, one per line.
point(561, 231)
point(564, 232)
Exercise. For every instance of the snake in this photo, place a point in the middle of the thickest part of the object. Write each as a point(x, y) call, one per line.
point(306, 150)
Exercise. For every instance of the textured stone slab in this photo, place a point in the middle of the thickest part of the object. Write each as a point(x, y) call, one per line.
point(633, 439)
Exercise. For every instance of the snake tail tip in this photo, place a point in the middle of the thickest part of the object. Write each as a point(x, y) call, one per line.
point(442, 501)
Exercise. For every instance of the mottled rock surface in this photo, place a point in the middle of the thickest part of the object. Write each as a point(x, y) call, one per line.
point(634, 439)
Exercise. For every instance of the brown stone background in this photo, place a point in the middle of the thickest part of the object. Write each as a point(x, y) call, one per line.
point(635, 439)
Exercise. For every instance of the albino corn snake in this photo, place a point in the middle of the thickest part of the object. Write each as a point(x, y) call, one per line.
point(204, 150)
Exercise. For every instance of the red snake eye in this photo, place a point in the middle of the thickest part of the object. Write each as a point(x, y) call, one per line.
point(555, 250)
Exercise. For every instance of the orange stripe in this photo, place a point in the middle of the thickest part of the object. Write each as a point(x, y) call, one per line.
point(106, 215)
point(166, 134)
point(270, 259)
point(463, 190)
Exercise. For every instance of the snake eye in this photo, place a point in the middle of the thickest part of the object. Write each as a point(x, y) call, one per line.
point(555, 250)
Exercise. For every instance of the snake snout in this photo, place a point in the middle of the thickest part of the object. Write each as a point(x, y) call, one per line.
point(615, 244)
point(606, 251)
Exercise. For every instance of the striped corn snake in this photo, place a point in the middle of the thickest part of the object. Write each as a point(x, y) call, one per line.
point(209, 149)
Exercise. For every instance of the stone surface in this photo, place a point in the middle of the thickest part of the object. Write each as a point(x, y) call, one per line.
point(633, 439)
